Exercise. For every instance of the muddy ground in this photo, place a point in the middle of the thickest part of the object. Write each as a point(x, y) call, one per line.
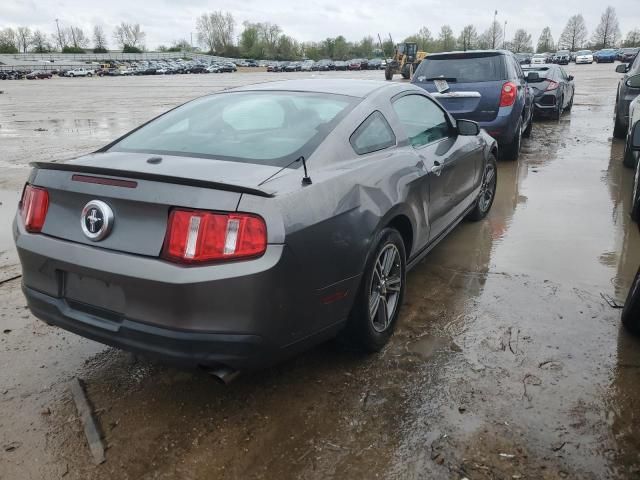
point(507, 361)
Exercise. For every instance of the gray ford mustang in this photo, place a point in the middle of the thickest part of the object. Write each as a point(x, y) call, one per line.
point(247, 225)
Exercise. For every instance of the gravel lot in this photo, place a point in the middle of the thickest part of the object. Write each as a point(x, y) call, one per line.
point(507, 361)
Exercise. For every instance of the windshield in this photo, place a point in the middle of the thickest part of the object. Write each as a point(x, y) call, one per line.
point(270, 128)
point(584, 52)
point(539, 55)
point(462, 68)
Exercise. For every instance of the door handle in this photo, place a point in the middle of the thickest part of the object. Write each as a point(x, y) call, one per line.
point(437, 168)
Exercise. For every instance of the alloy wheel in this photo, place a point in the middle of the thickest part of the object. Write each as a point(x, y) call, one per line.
point(488, 188)
point(385, 288)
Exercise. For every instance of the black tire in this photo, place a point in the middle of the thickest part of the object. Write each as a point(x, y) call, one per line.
point(511, 151)
point(487, 191)
point(635, 195)
point(618, 128)
point(558, 111)
point(628, 158)
point(388, 74)
point(527, 131)
point(631, 310)
point(363, 330)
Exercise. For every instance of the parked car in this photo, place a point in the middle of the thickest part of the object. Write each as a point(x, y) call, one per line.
point(374, 64)
point(562, 57)
point(607, 55)
point(293, 67)
point(625, 95)
point(79, 72)
point(524, 58)
point(325, 65)
point(210, 258)
point(584, 56)
point(486, 86)
point(539, 59)
point(630, 158)
point(307, 65)
point(340, 65)
point(38, 74)
point(273, 67)
point(631, 311)
point(354, 64)
point(628, 55)
point(553, 89)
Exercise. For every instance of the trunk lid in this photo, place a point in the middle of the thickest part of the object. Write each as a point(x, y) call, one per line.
point(141, 194)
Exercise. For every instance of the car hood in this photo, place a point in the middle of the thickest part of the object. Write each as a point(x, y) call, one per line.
point(202, 170)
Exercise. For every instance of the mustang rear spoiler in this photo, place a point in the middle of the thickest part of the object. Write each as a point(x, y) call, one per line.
point(154, 177)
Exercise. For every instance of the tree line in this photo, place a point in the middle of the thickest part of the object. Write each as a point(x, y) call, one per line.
point(216, 34)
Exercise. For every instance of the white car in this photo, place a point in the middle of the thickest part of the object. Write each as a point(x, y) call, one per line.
point(584, 56)
point(539, 59)
point(79, 72)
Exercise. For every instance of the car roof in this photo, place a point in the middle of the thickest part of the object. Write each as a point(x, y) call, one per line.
point(471, 52)
point(353, 88)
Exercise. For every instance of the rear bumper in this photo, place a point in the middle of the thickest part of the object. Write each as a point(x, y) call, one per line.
point(185, 348)
point(503, 127)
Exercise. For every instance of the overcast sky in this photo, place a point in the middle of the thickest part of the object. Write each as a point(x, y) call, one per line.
point(168, 20)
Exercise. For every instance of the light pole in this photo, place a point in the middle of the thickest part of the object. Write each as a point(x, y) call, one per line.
point(59, 35)
point(493, 30)
point(504, 33)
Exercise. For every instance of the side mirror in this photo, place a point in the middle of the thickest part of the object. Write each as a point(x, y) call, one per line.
point(468, 128)
point(533, 77)
point(622, 68)
point(633, 81)
point(635, 137)
point(571, 78)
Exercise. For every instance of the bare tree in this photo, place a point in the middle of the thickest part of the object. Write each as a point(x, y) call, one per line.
point(215, 30)
point(633, 38)
point(468, 38)
point(574, 34)
point(77, 38)
point(270, 33)
point(607, 32)
point(99, 38)
point(129, 34)
point(521, 41)
point(545, 42)
point(39, 42)
point(495, 34)
point(23, 36)
point(446, 39)
point(8, 41)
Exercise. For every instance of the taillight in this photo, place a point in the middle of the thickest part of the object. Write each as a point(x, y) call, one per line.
point(33, 208)
point(552, 85)
point(508, 94)
point(196, 236)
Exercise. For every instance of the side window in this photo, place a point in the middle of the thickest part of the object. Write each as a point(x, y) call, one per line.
point(519, 70)
point(423, 121)
point(372, 135)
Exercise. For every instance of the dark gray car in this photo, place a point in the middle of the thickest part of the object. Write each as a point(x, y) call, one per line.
point(626, 94)
point(247, 225)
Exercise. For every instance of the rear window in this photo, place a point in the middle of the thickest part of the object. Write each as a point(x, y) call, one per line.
point(271, 128)
point(462, 68)
point(543, 72)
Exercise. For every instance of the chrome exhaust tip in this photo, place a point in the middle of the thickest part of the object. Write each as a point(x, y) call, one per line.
point(224, 375)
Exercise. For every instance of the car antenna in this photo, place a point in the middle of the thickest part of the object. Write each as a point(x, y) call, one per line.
point(306, 180)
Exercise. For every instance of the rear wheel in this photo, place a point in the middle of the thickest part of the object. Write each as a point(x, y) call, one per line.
point(618, 128)
point(559, 109)
point(628, 159)
point(487, 191)
point(511, 151)
point(631, 310)
point(527, 131)
point(376, 308)
point(570, 105)
point(635, 195)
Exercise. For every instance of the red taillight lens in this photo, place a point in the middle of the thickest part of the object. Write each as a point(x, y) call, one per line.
point(33, 208)
point(196, 236)
point(552, 85)
point(508, 94)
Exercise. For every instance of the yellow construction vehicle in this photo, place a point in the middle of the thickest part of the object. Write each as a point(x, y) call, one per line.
point(406, 59)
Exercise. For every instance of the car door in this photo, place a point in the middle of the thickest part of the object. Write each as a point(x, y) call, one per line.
point(451, 161)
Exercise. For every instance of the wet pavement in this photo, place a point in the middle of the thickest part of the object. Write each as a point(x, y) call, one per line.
point(507, 361)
